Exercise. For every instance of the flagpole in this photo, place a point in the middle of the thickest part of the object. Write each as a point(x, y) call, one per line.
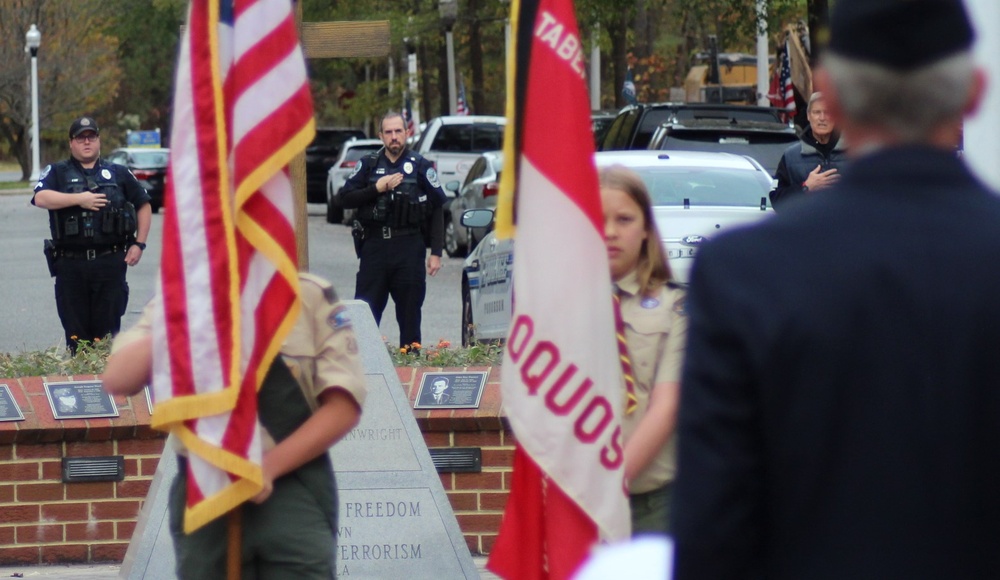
point(234, 544)
point(762, 68)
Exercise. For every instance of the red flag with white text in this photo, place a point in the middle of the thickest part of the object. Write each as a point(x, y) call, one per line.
point(562, 380)
point(228, 275)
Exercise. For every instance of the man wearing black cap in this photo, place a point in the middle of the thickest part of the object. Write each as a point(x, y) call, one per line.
point(840, 401)
point(99, 217)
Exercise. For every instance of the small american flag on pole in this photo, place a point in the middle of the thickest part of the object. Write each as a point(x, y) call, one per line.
point(228, 277)
point(411, 126)
point(462, 108)
point(782, 94)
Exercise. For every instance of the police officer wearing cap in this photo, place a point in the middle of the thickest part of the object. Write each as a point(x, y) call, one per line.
point(840, 398)
point(399, 201)
point(99, 217)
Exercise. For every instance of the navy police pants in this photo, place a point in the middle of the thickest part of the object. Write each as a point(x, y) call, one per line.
point(394, 267)
point(91, 296)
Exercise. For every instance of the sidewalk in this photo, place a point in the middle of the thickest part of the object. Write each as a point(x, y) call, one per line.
point(108, 571)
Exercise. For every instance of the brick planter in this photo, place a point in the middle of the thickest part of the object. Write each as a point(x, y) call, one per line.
point(46, 521)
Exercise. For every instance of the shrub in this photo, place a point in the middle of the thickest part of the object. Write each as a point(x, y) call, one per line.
point(442, 355)
point(90, 358)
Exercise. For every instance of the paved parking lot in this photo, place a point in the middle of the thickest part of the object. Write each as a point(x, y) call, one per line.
point(28, 319)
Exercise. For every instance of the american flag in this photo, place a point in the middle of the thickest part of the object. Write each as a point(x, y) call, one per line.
point(562, 382)
point(782, 94)
point(462, 108)
point(411, 125)
point(228, 276)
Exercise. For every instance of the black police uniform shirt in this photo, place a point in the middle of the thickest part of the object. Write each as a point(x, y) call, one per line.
point(360, 190)
point(69, 176)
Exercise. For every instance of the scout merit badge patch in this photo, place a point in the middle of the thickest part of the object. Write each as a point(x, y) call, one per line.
point(339, 319)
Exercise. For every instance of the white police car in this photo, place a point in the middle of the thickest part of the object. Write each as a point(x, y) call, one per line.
point(695, 195)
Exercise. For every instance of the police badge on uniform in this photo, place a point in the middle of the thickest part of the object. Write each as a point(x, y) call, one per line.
point(105, 174)
point(407, 168)
point(357, 168)
point(432, 177)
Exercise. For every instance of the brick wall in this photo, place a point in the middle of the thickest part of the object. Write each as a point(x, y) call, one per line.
point(43, 520)
point(478, 499)
point(46, 521)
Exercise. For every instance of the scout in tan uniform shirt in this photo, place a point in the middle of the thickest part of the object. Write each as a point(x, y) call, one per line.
point(655, 328)
point(288, 527)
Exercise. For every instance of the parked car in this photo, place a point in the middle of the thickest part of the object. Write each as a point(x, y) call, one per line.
point(764, 141)
point(634, 126)
point(600, 123)
point(321, 154)
point(149, 165)
point(351, 151)
point(453, 143)
point(696, 195)
point(482, 184)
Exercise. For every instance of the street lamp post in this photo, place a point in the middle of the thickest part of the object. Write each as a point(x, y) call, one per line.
point(449, 14)
point(33, 39)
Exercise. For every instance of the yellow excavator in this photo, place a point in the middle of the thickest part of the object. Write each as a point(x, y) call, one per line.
point(731, 77)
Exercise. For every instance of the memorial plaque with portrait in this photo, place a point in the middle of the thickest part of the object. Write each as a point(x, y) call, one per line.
point(450, 390)
point(9, 411)
point(80, 400)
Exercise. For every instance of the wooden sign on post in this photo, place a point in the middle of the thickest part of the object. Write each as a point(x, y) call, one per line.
point(330, 40)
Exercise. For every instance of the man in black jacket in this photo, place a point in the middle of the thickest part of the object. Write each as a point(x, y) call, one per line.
point(399, 200)
point(841, 390)
point(813, 163)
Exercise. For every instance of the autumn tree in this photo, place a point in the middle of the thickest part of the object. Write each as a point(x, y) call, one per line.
point(78, 72)
point(148, 34)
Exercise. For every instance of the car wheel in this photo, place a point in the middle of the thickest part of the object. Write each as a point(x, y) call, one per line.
point(451, 245)
point(334, 215)
point(468, 326)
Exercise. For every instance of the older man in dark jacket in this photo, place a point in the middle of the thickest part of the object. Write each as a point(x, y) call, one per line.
point(814, 162)
point(840, 401)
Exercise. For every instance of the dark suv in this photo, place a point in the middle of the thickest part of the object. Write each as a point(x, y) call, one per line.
point(321, 154)
point(635, 124)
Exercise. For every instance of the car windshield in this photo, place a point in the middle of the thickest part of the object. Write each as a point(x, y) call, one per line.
point(469, 138)
point(703, 186)
point(766, 148)
point(150, 158)
point(359, 151)
point(327, 139)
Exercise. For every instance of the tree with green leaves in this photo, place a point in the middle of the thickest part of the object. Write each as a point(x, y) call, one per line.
point(148, 33)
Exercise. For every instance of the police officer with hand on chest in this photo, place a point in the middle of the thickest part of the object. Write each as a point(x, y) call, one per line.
point(99, 217)
point(399, 201)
